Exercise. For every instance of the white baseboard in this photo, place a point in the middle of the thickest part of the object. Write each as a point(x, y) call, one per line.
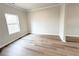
point(7, 43)
point(51, 34)
point(63, 39)
point(44, 34)
point(11, 41)
point(73, 35)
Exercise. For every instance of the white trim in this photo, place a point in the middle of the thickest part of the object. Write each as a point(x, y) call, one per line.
point(63, 39)
point(18, 8)
point(11, 41)
point(73, 35)
point(41, 8)
point(44, 34)
point(31, 10)
point(7, 43)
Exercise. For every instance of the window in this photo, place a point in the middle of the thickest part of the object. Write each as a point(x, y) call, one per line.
point(12, 23)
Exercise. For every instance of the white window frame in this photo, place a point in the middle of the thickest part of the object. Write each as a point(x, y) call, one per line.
point(12, 21)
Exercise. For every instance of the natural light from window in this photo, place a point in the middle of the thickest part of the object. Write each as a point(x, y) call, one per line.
point(12, 23)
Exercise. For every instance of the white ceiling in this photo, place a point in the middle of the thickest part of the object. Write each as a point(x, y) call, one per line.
point(30, 6)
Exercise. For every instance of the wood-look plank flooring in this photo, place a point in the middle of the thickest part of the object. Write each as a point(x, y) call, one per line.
point(41, 45)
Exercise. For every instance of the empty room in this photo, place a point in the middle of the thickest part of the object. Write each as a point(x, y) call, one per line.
point(39, 29)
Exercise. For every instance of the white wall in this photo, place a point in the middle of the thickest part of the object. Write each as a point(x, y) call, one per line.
point(72, 20)
point(5, 38)
point(45, 21)
point(62, 23)
point(69, 21)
